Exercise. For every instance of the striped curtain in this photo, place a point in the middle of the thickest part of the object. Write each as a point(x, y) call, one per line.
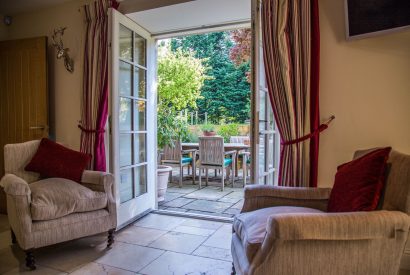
point(290, 32)
point(94, 107)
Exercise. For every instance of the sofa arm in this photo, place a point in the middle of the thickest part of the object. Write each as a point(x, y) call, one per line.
point(262, 196)
point(338, 226)
point(15, 186)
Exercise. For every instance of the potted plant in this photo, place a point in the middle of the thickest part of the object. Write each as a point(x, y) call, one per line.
point(170, 128)
point(208, 130)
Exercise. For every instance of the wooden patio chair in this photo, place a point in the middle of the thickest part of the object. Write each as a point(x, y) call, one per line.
point(213, 156)
point(174, 156)
point(243, 155)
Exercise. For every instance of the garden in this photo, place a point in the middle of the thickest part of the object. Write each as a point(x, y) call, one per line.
point(204, 86)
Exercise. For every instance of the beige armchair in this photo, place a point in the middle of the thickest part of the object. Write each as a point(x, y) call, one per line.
point(287, 230)
point(30, 214)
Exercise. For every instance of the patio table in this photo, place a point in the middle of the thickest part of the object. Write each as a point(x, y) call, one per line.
point(228, 147)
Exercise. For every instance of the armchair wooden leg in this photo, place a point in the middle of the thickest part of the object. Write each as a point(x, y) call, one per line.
point(233, 270)
point(30, 262)
point(110, 238)
point(13, 237)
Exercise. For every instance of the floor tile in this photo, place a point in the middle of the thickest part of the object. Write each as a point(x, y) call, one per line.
point(5, 239)
point(233, 211)
point(96, 268)
point(230, 200)
point(139, 235)
point(193, 230)
point(235, 194)
point(208, 193)
point(176, 209)
point(171, 263)
point(208, 206)
point(238, 205)
point(202, 223)
point(161, 222)
point(179, 202)
point(215, 214)
point(213, 252)
point(10, 258)
point(184, 190)
point(178, 242)
point(221, 238)
point(169, 196)
point(40, 270)
point(129, 256)
point(70, 256)
point(4, 223)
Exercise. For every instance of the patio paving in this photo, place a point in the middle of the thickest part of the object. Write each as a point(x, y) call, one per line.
point(209, 200)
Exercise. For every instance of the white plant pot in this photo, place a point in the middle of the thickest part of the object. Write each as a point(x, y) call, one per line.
point(162, 181)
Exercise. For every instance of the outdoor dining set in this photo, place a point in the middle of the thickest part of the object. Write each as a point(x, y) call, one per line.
point(209, 153)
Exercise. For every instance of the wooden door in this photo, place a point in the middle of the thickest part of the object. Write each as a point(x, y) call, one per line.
point(23, 92)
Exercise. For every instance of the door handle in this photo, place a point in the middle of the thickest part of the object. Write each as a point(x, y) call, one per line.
point(38, 127)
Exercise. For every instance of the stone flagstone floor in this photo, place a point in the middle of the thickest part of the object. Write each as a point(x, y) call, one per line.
point(154, 245)
point(209, 200)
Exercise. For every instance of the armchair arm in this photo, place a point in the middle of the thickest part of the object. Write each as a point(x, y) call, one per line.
point(262, 196)
point(15, 186)
point(338, 226)
point(18, 206)
point(102, 182)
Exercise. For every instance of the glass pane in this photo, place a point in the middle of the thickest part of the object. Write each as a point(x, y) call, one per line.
point(126, 190)
point(139, 82)
point(139, 145)
point(125, 150)
point(262, 105)
point(140, 180)
point(270, 152)
point(125, 43)
point(139, 116)
point(262, 154)
point(262, 76)
point(271, 118)
point(139, 47)
point(125, 79)
point(125, 114)
point(271, 179)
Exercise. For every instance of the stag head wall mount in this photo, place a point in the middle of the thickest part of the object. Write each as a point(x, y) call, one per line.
point(62, 52)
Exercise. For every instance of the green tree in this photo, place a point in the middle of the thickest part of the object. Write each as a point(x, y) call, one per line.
point(180, 79)
point(225, 95)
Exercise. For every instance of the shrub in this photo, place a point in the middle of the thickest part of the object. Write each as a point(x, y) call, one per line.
point(228, 130)
point(207, 127)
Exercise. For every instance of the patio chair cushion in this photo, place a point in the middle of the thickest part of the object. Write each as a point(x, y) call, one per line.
point(227, 162)
point(186, 159)
point(57, 197)
point(250, 227)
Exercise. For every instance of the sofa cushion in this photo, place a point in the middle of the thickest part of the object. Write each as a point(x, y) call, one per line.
point(359, 183)
point(53, 160)
point(250, 227)
point(56, 197)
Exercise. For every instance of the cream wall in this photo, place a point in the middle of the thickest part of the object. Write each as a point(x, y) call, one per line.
point(366, 84)
point(65, 88)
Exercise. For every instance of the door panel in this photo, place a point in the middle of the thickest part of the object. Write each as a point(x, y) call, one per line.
point(23, 92)
point(133, 99)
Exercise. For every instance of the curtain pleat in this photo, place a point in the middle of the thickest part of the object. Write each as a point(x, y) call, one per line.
point(290, 33)
point(94, 107)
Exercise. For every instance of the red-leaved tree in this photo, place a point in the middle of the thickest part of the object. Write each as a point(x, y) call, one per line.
point(241, 51)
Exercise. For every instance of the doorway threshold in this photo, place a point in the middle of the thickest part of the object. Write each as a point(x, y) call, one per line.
point(193, 216)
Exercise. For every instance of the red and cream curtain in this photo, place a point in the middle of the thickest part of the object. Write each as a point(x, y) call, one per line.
point(94, 111)
point(291, 57)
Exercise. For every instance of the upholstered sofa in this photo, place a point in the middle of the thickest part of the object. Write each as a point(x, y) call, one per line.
point(288, 231)
point(43, 212)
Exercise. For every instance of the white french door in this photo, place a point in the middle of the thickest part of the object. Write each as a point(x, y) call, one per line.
point(132, 118)
point(265, 137)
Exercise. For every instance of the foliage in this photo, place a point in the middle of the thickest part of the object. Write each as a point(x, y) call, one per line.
point(170, 127)
point(228, 130)
point(225, 95)
point(241, 51)
point(207, 127)
point(180, 79)
point(191, 137)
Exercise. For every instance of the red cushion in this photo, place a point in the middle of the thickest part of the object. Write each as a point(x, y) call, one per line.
point(359, 183)
point(53, 160)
